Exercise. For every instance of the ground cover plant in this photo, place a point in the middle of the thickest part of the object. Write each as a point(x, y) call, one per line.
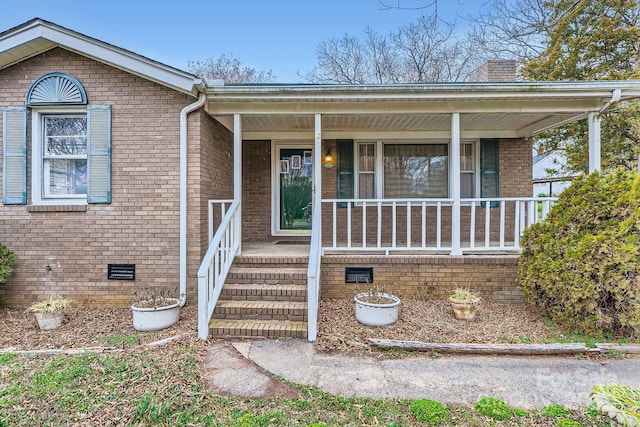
point(580, 266)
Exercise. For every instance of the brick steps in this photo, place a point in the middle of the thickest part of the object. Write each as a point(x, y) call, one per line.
point(263, 297)
point(257, 328)
point(260, 292)
point(264, 310)
point(267, 275)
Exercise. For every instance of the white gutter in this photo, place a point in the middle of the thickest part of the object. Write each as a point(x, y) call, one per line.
point(183, 194)
point(615, 98)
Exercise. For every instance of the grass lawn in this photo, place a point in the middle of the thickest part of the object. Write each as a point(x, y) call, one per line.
point(165, 386)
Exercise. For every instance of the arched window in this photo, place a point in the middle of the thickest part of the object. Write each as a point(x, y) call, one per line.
point(56, 88)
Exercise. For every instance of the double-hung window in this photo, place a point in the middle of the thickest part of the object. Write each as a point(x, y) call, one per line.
point(64, 156)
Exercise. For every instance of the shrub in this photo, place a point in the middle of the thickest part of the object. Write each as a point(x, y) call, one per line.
point(580, 266)
point(495, 408)
point(6, 263)
point(430, 412)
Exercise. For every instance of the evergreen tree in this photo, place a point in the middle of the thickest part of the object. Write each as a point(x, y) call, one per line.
point(593, 40)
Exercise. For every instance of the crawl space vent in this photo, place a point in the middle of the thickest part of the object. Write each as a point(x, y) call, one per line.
point(121, 272)
point(358, 274)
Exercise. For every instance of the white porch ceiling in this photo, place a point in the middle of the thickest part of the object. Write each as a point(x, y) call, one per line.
point(389, 125)
point(502, 110)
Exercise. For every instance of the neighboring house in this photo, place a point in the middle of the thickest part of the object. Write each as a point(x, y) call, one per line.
point(111, 161)
point(549, 175)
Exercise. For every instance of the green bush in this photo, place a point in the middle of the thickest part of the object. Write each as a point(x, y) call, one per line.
point(580, 266)
point(6, 263)
point(430, 412)
point(495, 408)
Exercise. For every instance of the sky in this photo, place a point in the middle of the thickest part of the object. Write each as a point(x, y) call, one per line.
point(276, 35)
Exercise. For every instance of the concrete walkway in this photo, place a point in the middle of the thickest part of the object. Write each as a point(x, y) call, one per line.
point(523, 382)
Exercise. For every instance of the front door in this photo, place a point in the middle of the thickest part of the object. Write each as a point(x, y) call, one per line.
point(293, 189)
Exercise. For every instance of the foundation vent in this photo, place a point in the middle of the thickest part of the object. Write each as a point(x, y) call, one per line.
point(121, 272)
point(358, 275)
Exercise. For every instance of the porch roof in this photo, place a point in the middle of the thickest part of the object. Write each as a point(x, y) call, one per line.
point(506, 110)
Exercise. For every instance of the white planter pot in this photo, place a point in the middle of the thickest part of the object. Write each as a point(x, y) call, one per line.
point(48, 321)
point(155, 318)
point(376, 314)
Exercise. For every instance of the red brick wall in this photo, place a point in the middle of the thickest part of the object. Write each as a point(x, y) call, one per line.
point(210, 154)
point(256, 190)
point(493, 277)
point(140, 226)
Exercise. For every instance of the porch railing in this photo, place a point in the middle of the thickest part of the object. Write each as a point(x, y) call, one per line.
point(216, 215)
point(423, 225)
point(388, 224)
point(313, 273)
point(497, 224)
point(215, 265)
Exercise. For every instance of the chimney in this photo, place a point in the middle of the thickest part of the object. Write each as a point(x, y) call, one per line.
point(495, 70)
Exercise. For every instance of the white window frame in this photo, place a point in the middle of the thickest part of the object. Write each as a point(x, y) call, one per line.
point(37, 157)
point(379, 163)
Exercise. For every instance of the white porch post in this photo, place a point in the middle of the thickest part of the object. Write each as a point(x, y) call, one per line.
point(317, 162)
point(594, 142)
point(237, 174)
point(455, 184)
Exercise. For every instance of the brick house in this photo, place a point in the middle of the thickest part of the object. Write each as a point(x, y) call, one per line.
point(115, 165)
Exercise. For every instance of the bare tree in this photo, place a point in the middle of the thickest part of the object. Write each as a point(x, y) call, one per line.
point(511, 28)
point(427, 50)
point(229, 69)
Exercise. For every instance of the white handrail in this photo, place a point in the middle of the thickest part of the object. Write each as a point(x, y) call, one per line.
point(313, 273)
point(215, 266)
point(223, 210)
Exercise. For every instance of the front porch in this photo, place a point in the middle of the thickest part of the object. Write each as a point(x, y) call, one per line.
point(404, 179)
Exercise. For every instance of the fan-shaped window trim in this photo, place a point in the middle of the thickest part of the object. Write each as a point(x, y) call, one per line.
point(56, 89)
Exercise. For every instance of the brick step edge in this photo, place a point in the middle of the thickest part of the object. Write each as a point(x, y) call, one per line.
point(257, 329)
point(261, 310)
point(301, 261)
point(264, 292)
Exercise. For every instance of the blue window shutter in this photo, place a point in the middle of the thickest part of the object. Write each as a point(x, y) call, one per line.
point(344, 151)
point(99, 154)
point(489, 169)
point(14, 156)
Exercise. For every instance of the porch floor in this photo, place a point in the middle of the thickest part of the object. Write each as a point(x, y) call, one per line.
point(301, 249)
point(275, 249)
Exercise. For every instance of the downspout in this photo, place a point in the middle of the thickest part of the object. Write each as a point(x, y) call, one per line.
point(183, 194)
point(615, 98)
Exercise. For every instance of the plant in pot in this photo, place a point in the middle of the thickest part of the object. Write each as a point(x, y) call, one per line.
point(464, 303)
point(376, 308)
point(155, 310)
point(50, 312)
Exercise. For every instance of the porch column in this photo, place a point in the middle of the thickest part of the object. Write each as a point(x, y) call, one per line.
point(317, 162)
point(594, 142)
point(454, 165)
point(237, 174)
